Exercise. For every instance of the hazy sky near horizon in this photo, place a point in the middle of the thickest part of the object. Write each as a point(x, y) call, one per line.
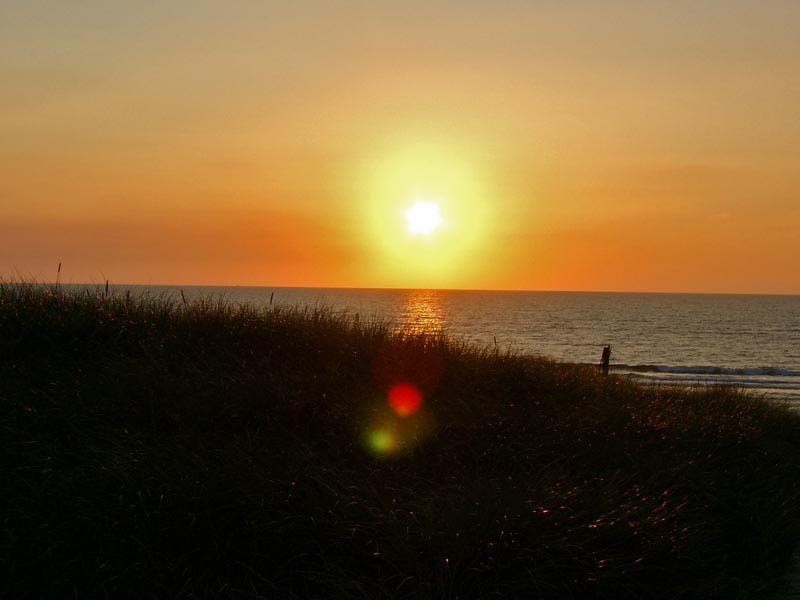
point(574, 145)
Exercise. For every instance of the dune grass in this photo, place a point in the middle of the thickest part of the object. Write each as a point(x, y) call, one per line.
point(152, 448)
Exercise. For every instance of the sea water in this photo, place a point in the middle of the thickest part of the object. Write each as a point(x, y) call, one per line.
point(747, 341)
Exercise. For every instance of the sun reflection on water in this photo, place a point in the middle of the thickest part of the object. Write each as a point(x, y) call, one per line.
point(423, 312)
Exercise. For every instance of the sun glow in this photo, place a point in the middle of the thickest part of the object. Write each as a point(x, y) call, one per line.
point(423, 218)
point(427, 214)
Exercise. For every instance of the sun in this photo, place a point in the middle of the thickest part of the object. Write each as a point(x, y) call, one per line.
point(427, 212)
point(423, 218)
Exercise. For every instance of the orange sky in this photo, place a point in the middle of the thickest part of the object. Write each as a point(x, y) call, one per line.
point(602, 145)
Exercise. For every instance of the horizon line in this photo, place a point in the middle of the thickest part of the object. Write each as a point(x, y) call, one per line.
point(406, 289)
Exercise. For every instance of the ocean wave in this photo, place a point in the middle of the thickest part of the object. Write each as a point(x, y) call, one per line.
point(792, 383)
point(706, 370)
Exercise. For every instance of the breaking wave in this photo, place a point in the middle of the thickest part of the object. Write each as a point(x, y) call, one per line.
point(706, 370)
point(767, 381)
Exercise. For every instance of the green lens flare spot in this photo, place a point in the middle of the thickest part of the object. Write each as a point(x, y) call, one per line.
point(382, 441)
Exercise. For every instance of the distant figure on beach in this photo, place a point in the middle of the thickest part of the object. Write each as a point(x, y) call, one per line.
point(606, 360)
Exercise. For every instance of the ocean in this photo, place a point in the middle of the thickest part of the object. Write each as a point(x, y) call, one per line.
point(746, 341)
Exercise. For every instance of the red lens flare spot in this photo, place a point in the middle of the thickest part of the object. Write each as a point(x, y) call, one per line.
point(405, 399)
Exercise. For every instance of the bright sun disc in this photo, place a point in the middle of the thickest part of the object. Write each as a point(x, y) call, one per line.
point(423, 218)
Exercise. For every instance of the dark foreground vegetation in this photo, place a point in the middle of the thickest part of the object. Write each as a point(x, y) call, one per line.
point(150, 448)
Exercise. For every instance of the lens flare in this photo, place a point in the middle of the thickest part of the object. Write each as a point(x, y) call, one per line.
point(382, 441)
point(405, 399)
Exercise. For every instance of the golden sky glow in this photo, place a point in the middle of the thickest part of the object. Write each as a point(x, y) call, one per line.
point(608, 145)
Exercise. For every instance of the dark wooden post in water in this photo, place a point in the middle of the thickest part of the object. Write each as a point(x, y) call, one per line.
point(605, 362)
